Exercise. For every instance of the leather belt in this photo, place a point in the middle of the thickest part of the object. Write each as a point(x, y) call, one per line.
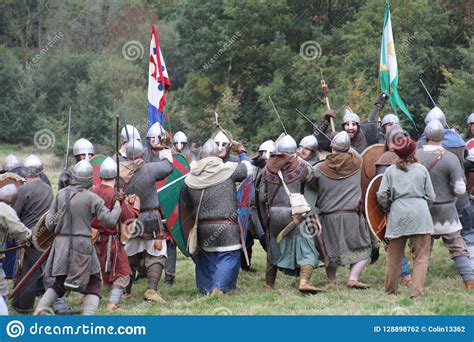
point(339, 212)
point(218, 222)
point(438, 203)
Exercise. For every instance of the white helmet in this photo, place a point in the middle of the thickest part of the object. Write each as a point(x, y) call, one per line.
point(221, 141)
point(156, 131)
point(129, 132)
point(470, 119)
point(11, 162)
point(134, 150)
point(82, 173)
point(436, 113)
point(32, 166)
point(180, 140)
point(268, 145)
point(180, 137)
point(350, 118)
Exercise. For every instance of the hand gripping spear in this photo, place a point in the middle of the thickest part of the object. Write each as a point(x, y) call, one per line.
point(326, 98)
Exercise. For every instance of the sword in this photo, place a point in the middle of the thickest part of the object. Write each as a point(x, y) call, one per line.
point(278, 115)
point(68, 139)
point(429, 95)
point(319, 130)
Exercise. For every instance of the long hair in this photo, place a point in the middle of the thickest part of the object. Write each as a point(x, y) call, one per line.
point(403, 163)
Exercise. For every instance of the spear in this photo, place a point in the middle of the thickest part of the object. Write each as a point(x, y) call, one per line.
point(278, 115)
point(326, 98)
point(68, 139)
point(429, 95)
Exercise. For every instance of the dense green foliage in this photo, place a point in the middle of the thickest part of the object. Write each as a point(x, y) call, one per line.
point(224, 55)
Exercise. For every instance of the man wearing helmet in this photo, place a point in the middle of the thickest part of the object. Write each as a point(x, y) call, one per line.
point(209, 191)
point(448, 180)
point(140, 179)
point(73, 259)
point(34, 199)
point(452, 141)
point(180, 145)
point(128, 133)
point(112, 256)
point(12, 164)
point(225, 146)
point(345, 234)
point(296, 252)
point(308, 149)
point(82, 149)
point(256, 227)
point(470, 127)
point(158, 140)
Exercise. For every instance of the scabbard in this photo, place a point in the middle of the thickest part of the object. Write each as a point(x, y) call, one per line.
point(290, 226)
point(108, 262)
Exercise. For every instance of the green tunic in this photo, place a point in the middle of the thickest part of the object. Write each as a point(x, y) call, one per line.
point(407, 196)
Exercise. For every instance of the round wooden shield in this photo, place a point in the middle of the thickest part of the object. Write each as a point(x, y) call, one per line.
point(96, 162)
point(41, 237)
point(470, 144)
point(369, 156)
point(375, 215)
point(11, 178)
point(169, 200)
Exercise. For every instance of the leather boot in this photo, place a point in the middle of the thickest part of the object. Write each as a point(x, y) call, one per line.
point(469, 284)
point(305, 280)
point(154, 296)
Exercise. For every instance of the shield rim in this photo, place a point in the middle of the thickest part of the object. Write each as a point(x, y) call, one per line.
point(381, 238)
point(34, 236)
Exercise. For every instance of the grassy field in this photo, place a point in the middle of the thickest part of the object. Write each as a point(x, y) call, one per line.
point(444, 294)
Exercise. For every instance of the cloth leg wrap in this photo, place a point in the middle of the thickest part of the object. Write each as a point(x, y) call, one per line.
point(46, 302)
point(90, 305)
point(115, 295)
point(305, 272)
point(270, 274)
point(464, 267)
point(153, 274)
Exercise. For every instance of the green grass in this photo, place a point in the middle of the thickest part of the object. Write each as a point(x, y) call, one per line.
point(445, 293)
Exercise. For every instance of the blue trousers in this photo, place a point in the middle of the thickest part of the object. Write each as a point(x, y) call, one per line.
point(217, 270)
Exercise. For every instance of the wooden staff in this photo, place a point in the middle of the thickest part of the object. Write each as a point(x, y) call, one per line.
point(326, 98)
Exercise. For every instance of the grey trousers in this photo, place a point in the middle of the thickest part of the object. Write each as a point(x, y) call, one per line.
point(170, 264)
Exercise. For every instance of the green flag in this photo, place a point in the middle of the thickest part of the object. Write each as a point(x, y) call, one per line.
point(388, 66)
